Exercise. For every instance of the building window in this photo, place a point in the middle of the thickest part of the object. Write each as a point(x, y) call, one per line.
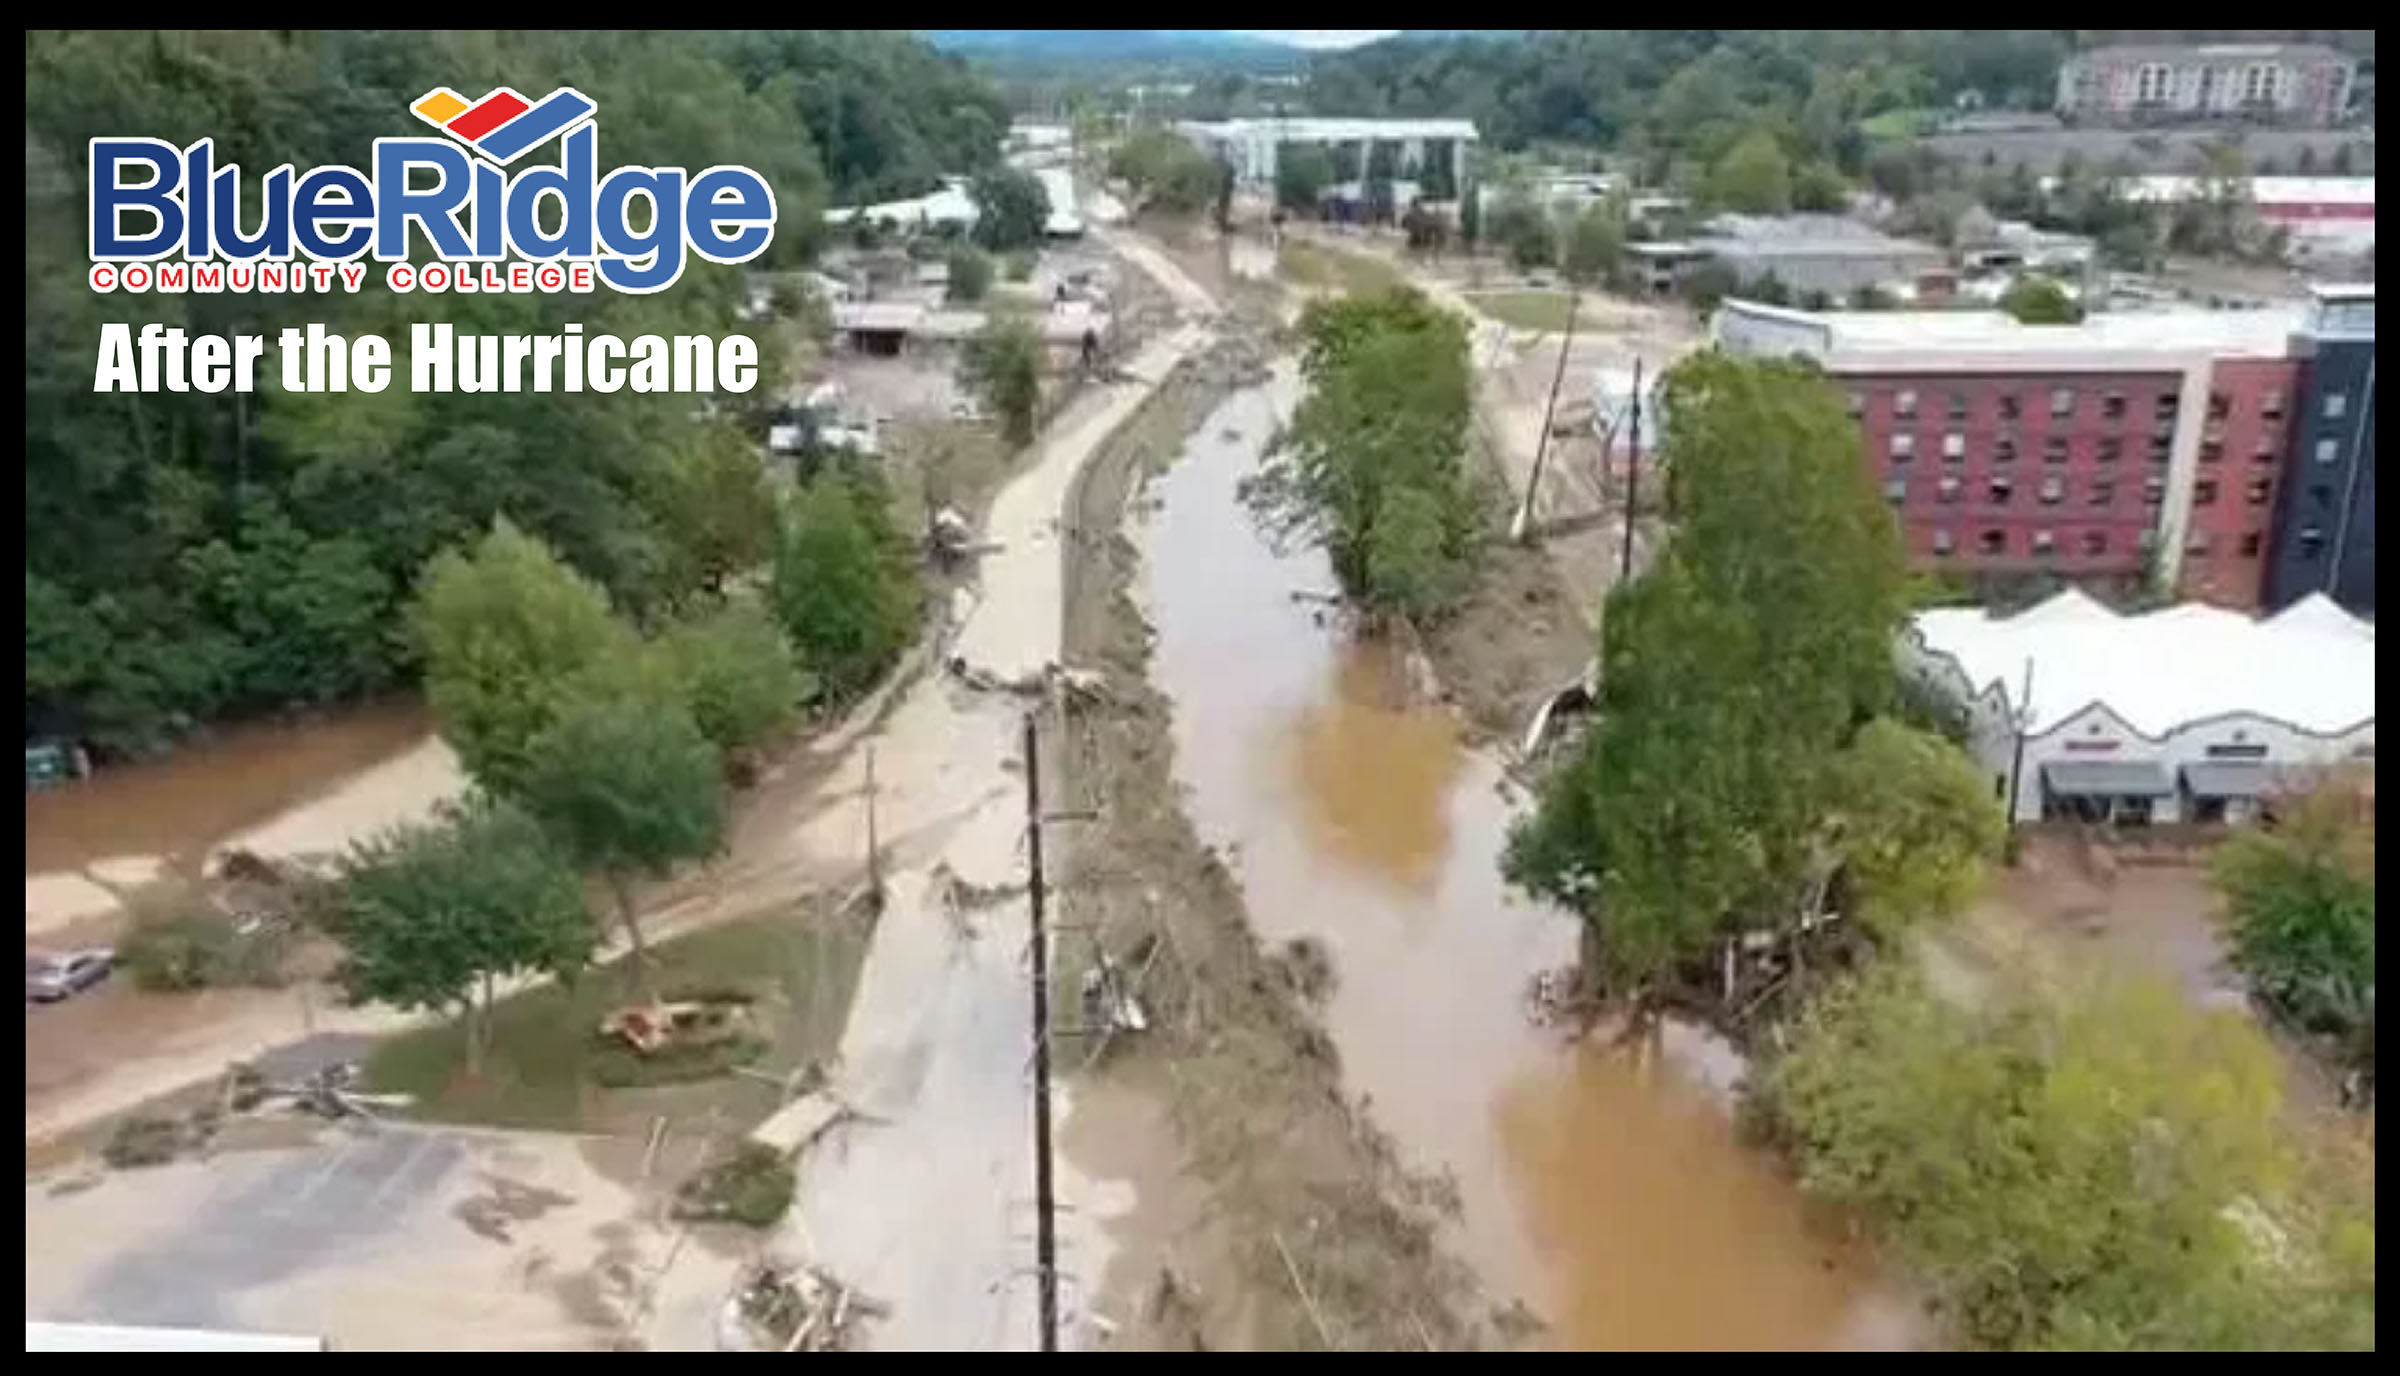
point(2250, 545)
point(1904, 404)
point(2054, 449)
point(2151, 81)
point(2168, 404)
point(2062, 402)
point(2104, 491)
point(1958, 406)
point(2270, 406)
point(1904, 447)
point(2265, 457)
point(2001, 490)
point(2154, 491)
point(2196, 543)
point(2095, 543)
point(2219, 406)
point(2044, 543)
point(2054, 491)
point(1993, 540)
point(2212, 452)
point(1943, 542)
point(1947, 492)
point(2112, 406)
point(1858, 405)
point(1896, 491)
point(2204, 492)
point(2320, 496)
point(2312, 542)
point(1954, 445)
point(2011, 405)
point(2162, 448)
point(2329, 451)
point(2004, 449)
point(2260, 489)
point(2111, 449)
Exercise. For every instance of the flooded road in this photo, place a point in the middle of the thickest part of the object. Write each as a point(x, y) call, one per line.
point(1611, 1198)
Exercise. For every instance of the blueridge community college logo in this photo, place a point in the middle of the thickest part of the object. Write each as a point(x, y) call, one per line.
point(334, 215)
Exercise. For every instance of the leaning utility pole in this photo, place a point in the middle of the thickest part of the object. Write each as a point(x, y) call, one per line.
point(1541, 447)
point(1046, 1235)
point(1633, 474)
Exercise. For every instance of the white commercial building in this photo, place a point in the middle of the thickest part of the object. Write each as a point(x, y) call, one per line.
point(1058, 188)
point(1250, 145)
point(951, 206)
point(2186, 714)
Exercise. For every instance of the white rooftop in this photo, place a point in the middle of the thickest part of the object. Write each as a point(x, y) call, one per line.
point(1309, 130)
point(2311, 665)
point(2266, 191)
point(1988, 337)
point(952, 203)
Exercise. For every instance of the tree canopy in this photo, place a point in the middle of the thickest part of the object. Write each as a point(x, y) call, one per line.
point(430, 915)
point(2093, 1166)
point(1735, 675)
point(2040, 301)
point(1002, 364)
point(2300, 908)
point(1376, 457)
point(844, 588)
point(506, 629)
point(737, 673)
point(1011, 208)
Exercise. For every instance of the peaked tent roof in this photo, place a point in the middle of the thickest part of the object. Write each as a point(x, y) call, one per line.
point(2312, 665)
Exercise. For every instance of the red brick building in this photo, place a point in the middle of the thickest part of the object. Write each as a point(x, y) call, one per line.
point(2127, 448)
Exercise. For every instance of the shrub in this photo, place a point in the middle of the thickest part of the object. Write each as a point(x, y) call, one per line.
point(753, 1186)
point(200, 949)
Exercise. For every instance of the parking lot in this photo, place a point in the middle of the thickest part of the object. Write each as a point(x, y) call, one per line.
point(388, 1239)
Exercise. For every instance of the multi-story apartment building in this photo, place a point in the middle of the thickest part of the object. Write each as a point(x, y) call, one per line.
point(2324, 526)
point(2281, 83)
point(2133, 448)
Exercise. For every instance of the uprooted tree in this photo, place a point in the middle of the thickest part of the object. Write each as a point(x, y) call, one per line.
point(1740, 787)
point(432, 915)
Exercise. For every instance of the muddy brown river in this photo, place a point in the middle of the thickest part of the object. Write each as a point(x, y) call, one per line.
point(1609, 1194)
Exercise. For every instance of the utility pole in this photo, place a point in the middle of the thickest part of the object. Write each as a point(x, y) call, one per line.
point(2021, 718)
point(874, 849)
point(1541, 447)
point(1633, 474)
point(1045, 1204)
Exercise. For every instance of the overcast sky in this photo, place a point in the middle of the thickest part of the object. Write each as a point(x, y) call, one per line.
point(1321, 38)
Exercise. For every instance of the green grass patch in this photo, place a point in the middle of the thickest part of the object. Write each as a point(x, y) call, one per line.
point(548, 1067)
point(1315, 265)
point(752, 1185)
point(1545, 311)
point(1897, 124)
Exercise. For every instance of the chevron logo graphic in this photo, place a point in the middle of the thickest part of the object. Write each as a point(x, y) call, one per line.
point(503, 126)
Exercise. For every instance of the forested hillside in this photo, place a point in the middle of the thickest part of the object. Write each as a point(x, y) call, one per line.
point(192, 557)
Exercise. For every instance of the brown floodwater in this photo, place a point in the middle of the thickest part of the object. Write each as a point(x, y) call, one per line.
point(181, 804)
point(1609, 1194)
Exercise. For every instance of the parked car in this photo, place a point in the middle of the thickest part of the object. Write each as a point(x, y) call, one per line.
point(50, 978)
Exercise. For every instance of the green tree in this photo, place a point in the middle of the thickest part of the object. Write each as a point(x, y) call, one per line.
point(737, 673)
point(1524, 230)
point(2076, 1166)
point(505, 630)
point(1302, 172)
point(2299, 902)
point(1820, 187)
point(970, 274)
point(1753, 176)
point(1912, 827)
point(711, 500)
point(1002, 364)
point(1011, 208)
point(2040, 301)
point(431, 915)
point(628, 786)
point(1595, 245)
point(1733, 677)
point(843, 589)
point(1375, 461)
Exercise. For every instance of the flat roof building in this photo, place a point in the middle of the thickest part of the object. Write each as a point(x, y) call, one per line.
point(2187, 714)
point(1432, 152)
point(2135, 83)
point(2139, 448)
point(1832, 254)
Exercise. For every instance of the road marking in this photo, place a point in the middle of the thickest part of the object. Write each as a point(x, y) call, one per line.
point(424, 1142)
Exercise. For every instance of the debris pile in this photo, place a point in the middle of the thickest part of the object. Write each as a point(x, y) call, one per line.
point(654, 1027)
point(783, 1307)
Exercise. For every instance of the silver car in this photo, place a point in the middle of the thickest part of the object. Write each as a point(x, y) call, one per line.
point(50, 978)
